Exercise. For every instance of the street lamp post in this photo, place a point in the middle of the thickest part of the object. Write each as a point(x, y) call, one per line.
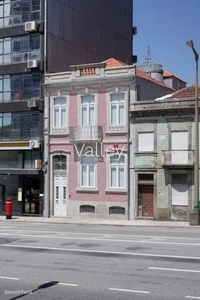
point(194, 214)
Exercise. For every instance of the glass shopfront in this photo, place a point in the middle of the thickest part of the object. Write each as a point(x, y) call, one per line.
point(19, 181)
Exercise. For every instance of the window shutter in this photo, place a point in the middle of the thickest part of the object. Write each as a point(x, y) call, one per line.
point(145, 141)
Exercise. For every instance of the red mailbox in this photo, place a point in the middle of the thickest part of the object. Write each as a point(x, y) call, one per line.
point(9, 208)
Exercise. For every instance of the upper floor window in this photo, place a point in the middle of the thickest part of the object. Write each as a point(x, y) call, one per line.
point(145, 142)
point(17, 12)
point(117, 110)
point(59, 113)
point(19, 87)
point(87, 110)
point(19, 126)
point(19, 49)
point(87, 172)
point(117, 172)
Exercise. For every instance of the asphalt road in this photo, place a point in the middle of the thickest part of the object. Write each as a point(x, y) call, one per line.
point(91, 262)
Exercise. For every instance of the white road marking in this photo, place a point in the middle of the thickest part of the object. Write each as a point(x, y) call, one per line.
point(101, 239)
point(175, 270)
point(129, 291)
point(103, 235)
point(100, 252)
point(192, 297)
point(68, 284)
point(9, 278)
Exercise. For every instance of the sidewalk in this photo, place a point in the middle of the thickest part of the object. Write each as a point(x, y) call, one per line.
point(95, 221)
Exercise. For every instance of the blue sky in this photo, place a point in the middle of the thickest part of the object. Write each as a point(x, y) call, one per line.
point(165, 25)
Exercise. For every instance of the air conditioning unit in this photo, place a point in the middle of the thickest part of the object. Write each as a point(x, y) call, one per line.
point(31, 64)
point(34, 144)
point(32, 103)
point(30, 26)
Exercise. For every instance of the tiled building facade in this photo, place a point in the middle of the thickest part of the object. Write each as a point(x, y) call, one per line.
point(162, 163)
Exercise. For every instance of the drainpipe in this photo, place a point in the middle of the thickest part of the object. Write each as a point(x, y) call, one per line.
point(46, 211)
point(128, 155)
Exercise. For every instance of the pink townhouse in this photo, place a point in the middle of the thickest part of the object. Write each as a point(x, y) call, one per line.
point(86, 140)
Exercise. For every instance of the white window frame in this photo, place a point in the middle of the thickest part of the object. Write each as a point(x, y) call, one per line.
point(116, 188)
point(146, 132)
point(80, 105)
point(117, 127)
point(60, 129)
point(87, 187)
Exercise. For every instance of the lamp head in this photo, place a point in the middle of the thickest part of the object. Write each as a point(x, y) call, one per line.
point(190, 43)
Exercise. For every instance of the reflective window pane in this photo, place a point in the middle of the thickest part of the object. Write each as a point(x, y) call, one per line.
point(7, 46)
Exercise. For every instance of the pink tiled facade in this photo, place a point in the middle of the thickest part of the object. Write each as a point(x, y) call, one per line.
point(102, 200)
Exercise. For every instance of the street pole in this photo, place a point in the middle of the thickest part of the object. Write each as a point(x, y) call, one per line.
point(194, 215)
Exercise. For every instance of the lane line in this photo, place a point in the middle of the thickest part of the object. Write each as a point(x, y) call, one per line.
point(104, 235)
point(192, 297)
point(101, 239)
point(100, 252)
point(67, 284)
point(9, 278)
point(129, 291)
point(175, 270)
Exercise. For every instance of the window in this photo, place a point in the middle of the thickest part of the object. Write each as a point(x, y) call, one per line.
point(87, 172)
point(19, 49)
point(117, 172)
point(18, 87)
point(145, 142)
point(180, 189)
point(19, 126)
point(117, 110)
point(17, 12)
point(87, 111)
point(59, 113)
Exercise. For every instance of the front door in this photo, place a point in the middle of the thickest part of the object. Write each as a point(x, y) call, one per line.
point(60, 196)
point(31, 195)
point(146, 197)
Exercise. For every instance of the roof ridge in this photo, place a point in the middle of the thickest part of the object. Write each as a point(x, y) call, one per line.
point(144, 75)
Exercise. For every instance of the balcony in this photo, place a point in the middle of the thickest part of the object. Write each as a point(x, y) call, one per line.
point(178, 158)
point(78, 134)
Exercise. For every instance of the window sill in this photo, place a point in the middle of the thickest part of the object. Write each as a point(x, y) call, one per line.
point(59, 132)
point(146, 153)
point(87, 190)
point(116, 191)
point(116, 132)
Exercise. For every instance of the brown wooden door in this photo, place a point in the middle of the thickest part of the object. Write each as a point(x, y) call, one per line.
point(146, 200)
